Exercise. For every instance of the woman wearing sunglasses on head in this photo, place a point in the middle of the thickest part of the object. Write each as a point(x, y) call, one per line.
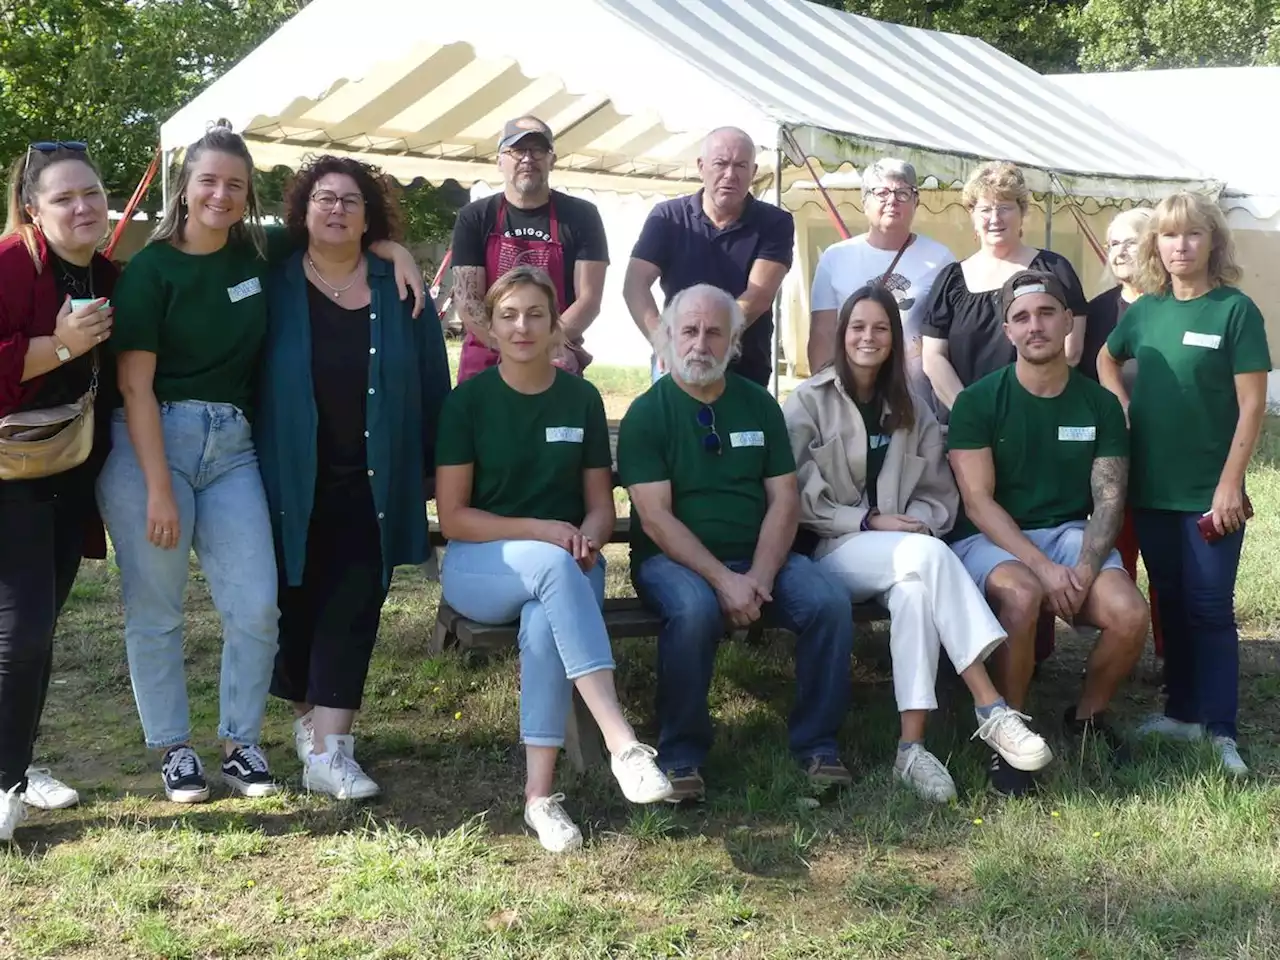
point(54, 315)
point(525, 493)
point(191, 316)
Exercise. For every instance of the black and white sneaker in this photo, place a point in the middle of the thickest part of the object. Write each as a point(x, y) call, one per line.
point(183, 775)
point(1007, 780)
point(245, 771)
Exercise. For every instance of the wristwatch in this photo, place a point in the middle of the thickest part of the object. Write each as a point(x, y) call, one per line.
point(62, 350)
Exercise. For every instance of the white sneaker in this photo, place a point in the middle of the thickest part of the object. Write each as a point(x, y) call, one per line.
point(1006, 733)
point(46, 793)
point(1227, 752)
point(303, 737)
point(638, 775)
point(556, 832)
point(336, 772)
point(1158, 725)
point(925, 774)
point(12, 812)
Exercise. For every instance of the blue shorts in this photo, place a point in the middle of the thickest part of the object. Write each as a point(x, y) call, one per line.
point(1060, 544)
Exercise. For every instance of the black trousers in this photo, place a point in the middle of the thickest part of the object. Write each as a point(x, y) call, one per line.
point(328, 624)
point(41, 542)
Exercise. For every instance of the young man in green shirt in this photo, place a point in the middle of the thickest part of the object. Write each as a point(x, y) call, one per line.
point(1041, 457)
point(706, 459)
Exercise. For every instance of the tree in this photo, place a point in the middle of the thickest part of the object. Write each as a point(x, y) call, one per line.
point(1152, 34)
point(109, 72)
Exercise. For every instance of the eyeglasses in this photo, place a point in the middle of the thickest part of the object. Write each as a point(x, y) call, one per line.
point(533, 153)
point(326, 201)
point(707, 419)
point(902, 194)
point(1002, 209)
point(1130, 244)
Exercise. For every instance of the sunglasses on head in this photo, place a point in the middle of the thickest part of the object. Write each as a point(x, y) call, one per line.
point(53, 146)
point(707, 419)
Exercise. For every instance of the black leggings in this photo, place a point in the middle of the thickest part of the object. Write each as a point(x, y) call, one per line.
point(41, 541)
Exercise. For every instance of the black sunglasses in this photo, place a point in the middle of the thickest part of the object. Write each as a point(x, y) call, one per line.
point(707, 418)
point(53, 146)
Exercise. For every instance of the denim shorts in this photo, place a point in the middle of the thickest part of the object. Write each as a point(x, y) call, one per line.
point(1060, 544)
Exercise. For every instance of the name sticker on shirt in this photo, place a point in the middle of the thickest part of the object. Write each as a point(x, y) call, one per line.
point(244, 289)
point(1209, 340)
point(1077, 433)
point(747, 438)
point(877, 440)
point(564, 434)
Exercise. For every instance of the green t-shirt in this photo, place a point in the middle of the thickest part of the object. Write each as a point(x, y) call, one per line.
point(1043, 447)
point(719, 497)
point(528, 451)
point(877, 445)
point(1183, 410)
point(203, 316)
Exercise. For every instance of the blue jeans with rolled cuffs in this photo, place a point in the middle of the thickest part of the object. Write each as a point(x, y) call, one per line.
point(562, 631)
point(806, 601)
point(222, 510)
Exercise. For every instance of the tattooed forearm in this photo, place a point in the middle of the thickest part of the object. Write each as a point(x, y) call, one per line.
point(1110, 482)
point(468, 300)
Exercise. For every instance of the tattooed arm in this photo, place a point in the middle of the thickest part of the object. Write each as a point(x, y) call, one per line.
point(468, 300)
point(1110, 482)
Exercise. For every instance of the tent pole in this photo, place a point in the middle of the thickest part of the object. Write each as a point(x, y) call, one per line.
point(166, 158)
point(775, 345)
point(1048, 220)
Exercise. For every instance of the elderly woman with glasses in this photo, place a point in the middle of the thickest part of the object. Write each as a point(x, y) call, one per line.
point(350, 395)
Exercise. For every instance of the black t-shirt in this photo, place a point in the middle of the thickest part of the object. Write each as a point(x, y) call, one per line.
point(340, 374)
point(1105, 311)
point(67, 382)
point(971, 323)
point(581, 232)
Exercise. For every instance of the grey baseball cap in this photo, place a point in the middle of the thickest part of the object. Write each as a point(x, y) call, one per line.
point(522, 127)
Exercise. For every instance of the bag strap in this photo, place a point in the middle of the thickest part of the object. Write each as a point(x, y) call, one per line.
point(911, 237)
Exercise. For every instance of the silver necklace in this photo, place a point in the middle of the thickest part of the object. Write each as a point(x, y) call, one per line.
point(336, 291)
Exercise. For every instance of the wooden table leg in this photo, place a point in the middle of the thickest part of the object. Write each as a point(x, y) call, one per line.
point(583, 744)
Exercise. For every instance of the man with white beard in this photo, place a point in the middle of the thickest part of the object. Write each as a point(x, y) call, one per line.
point(705, 456)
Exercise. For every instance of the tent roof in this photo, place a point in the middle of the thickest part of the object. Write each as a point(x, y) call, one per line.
point(1243, 142)
point(632, 86)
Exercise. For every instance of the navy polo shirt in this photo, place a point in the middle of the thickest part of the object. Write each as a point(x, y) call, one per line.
point(680, 239)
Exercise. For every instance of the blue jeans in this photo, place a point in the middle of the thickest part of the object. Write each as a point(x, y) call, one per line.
point(805, 601)
point(222, 509)
point(562, 632)
point(1195, 586)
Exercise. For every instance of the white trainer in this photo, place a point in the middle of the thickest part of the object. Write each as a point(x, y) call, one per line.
point(337, 773)
point(925, 774)
point(1159, 725)
point(556, 832)
point(1006, 732)
point(12, 812)
point(303, 737)
point(1229, 754)
point(636, 772)
point(44, 792)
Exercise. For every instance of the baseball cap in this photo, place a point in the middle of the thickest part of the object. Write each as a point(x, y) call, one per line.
point(521, 127)
point(1030, 281)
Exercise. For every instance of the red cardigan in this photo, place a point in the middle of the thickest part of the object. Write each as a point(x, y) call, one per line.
point(29, 305)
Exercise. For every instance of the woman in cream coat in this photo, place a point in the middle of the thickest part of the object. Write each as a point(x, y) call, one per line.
point(876, 493)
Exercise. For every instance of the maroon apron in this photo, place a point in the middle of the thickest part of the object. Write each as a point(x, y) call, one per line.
point(502, 253)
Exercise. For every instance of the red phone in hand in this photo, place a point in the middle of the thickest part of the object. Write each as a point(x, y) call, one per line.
point(1210, 532)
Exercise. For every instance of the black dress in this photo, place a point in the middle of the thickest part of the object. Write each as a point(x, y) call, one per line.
point(329, 623)
point(971, 322)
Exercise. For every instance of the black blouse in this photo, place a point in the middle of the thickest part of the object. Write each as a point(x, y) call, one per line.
point(971, 322)
point(340, 372)
point(69, 381)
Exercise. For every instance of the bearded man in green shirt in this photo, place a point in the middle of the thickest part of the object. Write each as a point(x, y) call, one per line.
point(1041, 457)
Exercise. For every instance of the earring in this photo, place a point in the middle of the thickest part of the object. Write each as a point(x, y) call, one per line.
point(182, 201)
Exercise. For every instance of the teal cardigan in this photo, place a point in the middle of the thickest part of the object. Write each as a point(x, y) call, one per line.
point(408, 382)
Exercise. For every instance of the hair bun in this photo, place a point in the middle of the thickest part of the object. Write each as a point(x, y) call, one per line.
point(222, 123)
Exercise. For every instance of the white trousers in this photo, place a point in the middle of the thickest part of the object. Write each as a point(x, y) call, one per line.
point(932, 603)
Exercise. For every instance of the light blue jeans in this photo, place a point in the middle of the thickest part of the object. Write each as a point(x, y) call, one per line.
point(222, 509)
point(562, 632)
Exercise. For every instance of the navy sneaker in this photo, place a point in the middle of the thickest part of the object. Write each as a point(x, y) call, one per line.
point(1007, 780)
point(245, 771)
point(183, 775)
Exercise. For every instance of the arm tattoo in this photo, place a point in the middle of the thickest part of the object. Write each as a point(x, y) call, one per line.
point(1110, 482)
point(468, 293)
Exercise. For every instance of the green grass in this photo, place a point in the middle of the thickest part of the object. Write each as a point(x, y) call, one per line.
point(1164, 858)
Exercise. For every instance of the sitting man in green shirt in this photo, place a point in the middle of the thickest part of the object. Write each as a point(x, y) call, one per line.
point(1041, 457)
point(706, 458)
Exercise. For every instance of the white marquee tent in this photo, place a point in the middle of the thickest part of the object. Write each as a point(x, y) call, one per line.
point(632, 86)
